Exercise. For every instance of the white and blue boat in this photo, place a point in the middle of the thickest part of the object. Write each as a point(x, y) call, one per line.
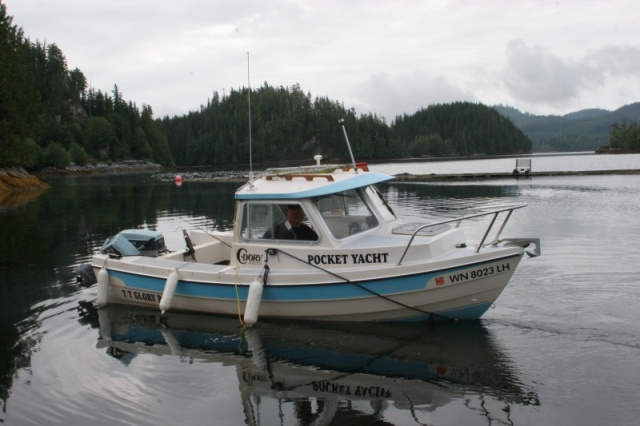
point(317, 243)
point(364, 263)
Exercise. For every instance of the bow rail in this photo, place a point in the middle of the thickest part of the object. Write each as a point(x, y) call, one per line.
point(524, 242)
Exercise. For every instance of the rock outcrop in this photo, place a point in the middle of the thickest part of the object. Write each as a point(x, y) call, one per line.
point(16, 179)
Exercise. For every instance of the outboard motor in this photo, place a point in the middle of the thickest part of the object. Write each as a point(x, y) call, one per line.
point(119, 246)
point(135, 242)
point(149, 243)
point(85, 277)
point(130, 242)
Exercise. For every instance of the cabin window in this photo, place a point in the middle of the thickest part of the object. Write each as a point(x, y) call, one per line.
point(276, 222)
point(346, 213)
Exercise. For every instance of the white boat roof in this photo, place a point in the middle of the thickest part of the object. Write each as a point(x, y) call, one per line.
point(307, 183)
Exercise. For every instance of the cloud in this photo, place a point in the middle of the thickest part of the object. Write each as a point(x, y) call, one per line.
point(394, 94)
point(534, 75)
point(616, 60)
point(377, 56)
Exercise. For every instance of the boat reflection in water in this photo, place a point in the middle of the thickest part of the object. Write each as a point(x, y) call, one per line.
point(329, 371)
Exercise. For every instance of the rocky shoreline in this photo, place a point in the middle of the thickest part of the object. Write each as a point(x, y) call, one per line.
point(609, 150)
point(123, 167)
point(17, 179)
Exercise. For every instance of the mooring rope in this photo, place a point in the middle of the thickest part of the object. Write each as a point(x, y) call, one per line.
point(347, 280)
point(235, 284)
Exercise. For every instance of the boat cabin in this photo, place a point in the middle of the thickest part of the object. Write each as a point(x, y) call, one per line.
point(309, 209)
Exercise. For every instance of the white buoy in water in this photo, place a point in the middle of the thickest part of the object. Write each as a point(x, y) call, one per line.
point(103, 286)
point(253, 302)
point(169, 291)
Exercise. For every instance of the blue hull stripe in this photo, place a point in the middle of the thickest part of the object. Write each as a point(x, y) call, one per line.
point(307, 292)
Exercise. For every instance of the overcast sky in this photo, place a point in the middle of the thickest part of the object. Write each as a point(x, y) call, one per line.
point(385, 57)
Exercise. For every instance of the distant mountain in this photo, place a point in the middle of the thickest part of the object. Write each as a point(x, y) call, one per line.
point(584, 130)
point(586, 114)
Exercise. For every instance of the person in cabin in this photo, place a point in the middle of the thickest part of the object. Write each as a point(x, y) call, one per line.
point(292, 228)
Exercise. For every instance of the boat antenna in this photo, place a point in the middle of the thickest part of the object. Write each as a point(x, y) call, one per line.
point(344, 130)
point(249, 103)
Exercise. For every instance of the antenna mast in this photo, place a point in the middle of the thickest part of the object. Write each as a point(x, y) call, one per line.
point(249, 103)
point(344, 130)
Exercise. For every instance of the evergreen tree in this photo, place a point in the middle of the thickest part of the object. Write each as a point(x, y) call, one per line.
point(156, 138)
point(18, 97)
point(100, 138)
point(78, 155)
point(625, 137)
point(56, 156)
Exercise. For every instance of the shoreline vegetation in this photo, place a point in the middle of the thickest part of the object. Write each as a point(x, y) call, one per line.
point(612, 150)
point(16, 179)
point(101, 168)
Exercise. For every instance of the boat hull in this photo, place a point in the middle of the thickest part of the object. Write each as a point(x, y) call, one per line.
point(455, 291)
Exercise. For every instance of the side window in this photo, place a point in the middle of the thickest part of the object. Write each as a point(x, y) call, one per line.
point(276, 222)
point(258, 218)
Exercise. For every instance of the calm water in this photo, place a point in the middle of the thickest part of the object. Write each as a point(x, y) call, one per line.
point(561, 346)
point(539, 163)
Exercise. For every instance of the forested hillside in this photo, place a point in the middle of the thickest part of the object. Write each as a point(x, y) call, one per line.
point(290, 125)
point(584, 130)
point(287, 125)
point(461, 128)
point(50, 118)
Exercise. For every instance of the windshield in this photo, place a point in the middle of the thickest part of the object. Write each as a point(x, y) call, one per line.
point(346, 213)
point(381, 204)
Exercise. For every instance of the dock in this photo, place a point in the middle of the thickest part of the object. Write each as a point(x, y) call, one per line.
point(408, 177)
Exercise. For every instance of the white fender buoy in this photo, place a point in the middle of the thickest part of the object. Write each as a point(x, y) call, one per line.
point(169, 291)
point(103, 287)
point(253, 302)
